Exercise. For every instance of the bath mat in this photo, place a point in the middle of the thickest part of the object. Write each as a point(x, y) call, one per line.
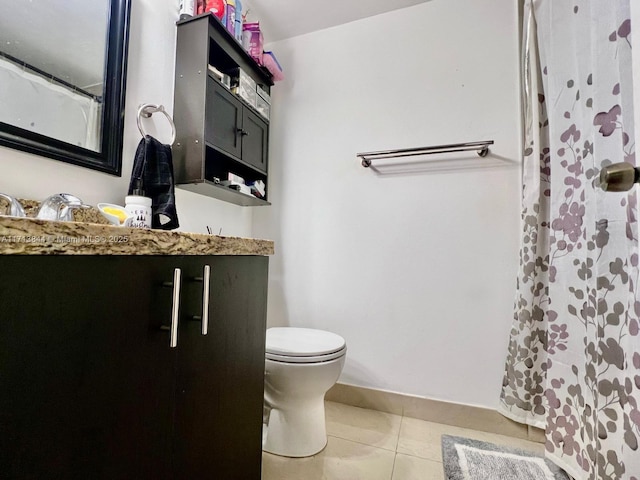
point(467, 459)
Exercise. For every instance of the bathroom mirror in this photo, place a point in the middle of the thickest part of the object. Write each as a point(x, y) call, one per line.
point(62, 77)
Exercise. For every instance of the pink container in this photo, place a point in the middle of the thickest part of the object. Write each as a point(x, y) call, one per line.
point(252, 40)
point(271, 63)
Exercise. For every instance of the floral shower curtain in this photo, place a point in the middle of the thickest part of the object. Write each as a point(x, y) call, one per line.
point(573, 363)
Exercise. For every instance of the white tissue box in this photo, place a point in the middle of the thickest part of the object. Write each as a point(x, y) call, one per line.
point(246, 189)
point(232, 177)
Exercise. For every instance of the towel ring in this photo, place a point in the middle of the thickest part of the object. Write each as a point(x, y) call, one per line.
point(148, 109)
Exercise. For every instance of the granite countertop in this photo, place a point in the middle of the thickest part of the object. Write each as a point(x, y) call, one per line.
point(29, 236)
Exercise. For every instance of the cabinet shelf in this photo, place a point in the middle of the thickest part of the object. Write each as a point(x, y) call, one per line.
point(218, 132)
point(238, 163)
point(236, 52)
point(211, 189)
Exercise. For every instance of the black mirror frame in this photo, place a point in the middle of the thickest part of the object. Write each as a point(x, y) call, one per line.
point(109, 158)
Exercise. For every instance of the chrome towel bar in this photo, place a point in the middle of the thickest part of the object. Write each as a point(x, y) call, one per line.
point(482, 148)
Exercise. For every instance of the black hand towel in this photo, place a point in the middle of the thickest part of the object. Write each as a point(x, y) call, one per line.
point(154, 166)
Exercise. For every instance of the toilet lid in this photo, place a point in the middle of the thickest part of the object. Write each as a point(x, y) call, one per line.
point(301, 343)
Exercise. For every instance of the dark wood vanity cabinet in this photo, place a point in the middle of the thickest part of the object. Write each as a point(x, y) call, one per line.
point(89, 387)
point(220, 376)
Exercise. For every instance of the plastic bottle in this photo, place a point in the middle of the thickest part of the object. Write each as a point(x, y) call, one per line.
point(187, 9)
point(215, 6)
point(231, 16)
point(238, 27)
point(139, 207)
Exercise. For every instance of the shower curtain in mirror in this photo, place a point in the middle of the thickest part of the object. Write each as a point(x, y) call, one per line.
point(573, 363)
point(32, 102)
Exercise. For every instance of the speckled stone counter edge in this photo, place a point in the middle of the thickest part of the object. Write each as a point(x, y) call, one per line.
point(28, 236)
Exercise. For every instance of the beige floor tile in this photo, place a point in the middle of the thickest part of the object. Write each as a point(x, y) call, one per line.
point(407, 467)
point(422, 439)
point(361, 425)
point(340, 460)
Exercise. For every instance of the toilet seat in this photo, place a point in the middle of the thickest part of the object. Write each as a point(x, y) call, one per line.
point(308, 359)
point(303, 345)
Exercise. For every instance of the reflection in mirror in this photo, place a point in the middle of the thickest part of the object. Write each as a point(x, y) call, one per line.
point(52, 78)
point(54, 59)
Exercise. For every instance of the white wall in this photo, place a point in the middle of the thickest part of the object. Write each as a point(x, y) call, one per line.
point(150, 80)
point(417, 271)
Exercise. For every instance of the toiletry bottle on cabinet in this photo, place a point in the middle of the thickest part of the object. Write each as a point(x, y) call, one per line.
point(187, 8)
point(231, 16)
point(238, 25)
point(215, 6)
point(139, 207)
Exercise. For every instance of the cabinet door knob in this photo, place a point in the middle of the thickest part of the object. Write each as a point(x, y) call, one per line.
point(242, 132)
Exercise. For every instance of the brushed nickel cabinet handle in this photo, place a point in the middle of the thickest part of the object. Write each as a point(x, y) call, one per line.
point(175, 307)
point(205, 299)
point(206, 281)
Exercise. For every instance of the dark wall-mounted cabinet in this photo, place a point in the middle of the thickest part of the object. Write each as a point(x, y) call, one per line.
point(90, 388)
point(218, 132)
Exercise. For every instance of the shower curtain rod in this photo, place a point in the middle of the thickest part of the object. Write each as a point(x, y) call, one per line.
point(482, 148)
point(49, 76)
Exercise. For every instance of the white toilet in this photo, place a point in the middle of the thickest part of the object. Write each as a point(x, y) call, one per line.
point(301, 365)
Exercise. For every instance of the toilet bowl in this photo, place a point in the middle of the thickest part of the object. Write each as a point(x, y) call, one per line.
point(301, 364)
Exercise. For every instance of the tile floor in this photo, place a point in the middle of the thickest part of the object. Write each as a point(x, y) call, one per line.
point(371, 445)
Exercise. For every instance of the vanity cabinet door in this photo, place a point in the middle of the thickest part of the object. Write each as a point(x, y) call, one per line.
point(221, 375)
point(86, 374)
